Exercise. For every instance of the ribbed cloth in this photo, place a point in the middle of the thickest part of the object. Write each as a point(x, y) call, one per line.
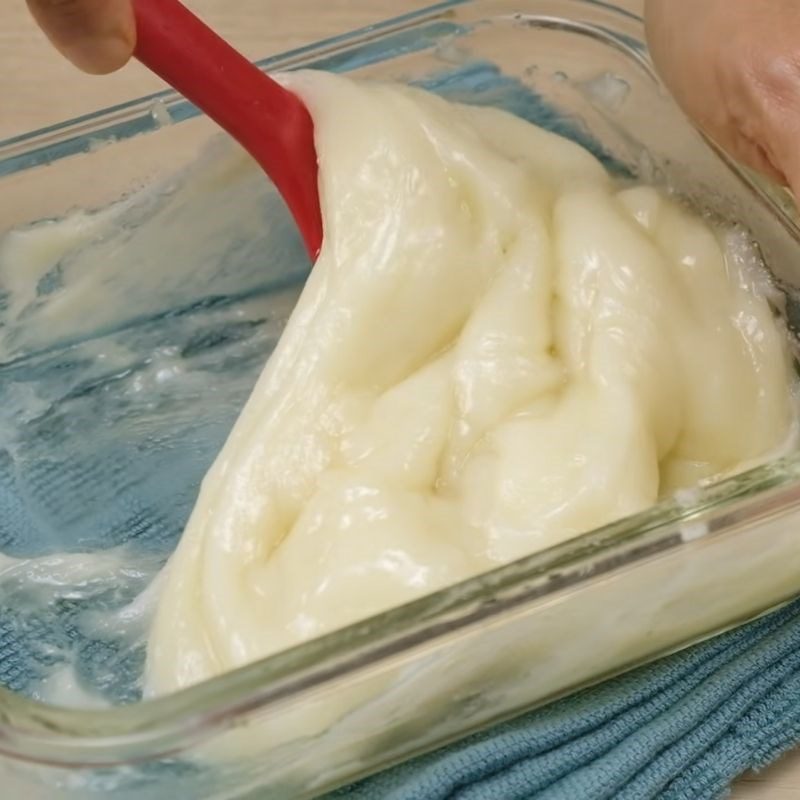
point(679, 729)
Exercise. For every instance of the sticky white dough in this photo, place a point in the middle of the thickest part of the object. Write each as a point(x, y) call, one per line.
point(497, 349)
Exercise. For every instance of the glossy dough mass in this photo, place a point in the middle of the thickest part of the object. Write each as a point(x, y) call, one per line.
point(496, 350)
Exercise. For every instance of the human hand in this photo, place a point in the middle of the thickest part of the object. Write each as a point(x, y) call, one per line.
point(734, 68)
point(98, 36)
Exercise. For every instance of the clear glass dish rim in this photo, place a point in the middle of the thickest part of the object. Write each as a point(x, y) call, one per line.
point(34, 731)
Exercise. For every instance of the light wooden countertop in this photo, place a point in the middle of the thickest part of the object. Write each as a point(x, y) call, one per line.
point(38, 88)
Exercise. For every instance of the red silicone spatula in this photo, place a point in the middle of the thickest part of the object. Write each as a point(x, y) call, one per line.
point(271, 123)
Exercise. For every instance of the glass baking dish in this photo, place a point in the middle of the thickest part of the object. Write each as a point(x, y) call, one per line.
point(308, 720)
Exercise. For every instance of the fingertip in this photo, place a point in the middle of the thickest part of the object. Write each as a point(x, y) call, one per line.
point(97, 36)
point(99, 57)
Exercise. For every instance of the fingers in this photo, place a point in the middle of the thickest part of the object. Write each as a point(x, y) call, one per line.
point(98, 36)
point(689, 44)
point(775, 89)
point(735, 70)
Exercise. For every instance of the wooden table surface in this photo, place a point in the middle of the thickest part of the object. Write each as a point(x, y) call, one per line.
point(38, 88)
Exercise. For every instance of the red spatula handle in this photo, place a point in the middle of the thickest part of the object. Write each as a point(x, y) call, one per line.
point(271, 123)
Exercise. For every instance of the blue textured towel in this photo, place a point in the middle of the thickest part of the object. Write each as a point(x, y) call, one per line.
point(680, 729)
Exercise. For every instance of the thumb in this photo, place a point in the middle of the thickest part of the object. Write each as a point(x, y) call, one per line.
point(98, 36)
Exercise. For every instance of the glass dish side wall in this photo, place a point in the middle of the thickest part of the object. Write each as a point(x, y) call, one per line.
point(430, 672)
point(535, 639)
